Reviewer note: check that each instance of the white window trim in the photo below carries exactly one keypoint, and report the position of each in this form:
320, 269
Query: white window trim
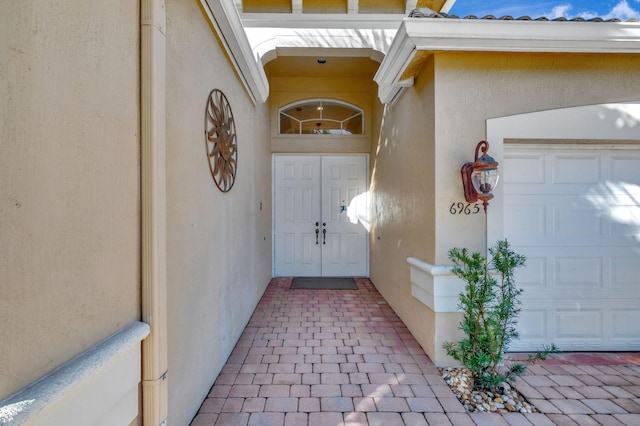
360, 111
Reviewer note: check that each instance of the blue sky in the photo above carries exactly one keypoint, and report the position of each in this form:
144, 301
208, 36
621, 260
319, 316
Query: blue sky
587, 9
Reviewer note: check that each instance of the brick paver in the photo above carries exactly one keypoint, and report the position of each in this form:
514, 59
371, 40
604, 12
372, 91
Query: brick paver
604, 406
321, 357
266, 419
295, 419
571, 406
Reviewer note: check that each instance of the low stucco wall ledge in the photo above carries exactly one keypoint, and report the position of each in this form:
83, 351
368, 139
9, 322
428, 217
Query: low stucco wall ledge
98, 387
435, 285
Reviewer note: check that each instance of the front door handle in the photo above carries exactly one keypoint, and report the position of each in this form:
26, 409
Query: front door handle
324, 235
317, 232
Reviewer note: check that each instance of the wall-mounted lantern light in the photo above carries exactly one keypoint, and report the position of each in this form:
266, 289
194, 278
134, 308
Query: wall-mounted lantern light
480, 177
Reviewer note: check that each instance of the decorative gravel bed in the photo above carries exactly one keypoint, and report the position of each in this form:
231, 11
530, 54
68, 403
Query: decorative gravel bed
507, 400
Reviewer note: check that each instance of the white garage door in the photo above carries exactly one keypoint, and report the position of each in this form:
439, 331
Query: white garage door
574, 212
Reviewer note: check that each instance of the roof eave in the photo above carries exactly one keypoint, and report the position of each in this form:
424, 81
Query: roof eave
438, 34
225, 19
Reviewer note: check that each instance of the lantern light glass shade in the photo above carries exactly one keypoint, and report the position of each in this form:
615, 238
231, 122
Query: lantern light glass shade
484, 181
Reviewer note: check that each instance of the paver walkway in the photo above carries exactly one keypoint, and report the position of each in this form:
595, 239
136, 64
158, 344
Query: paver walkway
342, 357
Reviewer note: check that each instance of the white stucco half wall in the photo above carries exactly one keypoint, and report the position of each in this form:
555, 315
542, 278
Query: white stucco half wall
98, 387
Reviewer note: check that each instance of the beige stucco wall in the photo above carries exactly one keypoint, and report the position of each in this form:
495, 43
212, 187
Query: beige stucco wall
218, 244
433, 129
69, 173
356, 91
403, 195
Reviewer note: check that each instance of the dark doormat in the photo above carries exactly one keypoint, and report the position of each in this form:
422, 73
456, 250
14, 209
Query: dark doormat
322, 283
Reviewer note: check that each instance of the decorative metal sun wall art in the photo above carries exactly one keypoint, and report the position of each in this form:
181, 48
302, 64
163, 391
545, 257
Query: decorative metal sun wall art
221, 141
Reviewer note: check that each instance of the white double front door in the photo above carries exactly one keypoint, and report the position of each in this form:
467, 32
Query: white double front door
316, 231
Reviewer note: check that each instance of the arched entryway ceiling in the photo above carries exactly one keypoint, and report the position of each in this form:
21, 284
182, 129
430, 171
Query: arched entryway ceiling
340, 6
254, 32
344, 34
323, 63
339, 29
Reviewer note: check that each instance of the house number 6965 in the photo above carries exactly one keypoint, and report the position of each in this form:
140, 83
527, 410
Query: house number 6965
462, 208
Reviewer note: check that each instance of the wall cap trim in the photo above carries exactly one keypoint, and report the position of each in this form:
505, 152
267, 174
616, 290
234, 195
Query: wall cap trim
435, 285
28, 403
431, 269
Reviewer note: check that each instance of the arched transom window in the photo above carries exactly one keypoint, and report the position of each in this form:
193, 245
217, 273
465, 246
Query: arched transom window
321, 117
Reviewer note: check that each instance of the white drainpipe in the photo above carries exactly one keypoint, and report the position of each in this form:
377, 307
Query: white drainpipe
153, 210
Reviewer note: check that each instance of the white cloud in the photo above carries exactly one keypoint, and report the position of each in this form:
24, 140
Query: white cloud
552, 9
560, 11
566, 11
623, 11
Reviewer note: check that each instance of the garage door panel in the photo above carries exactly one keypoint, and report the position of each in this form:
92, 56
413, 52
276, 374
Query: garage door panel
577, 221
533, 274
575, 169
571, 324
625, 273
610, 267
571, 220
528, 219
624, 168
534, 164
582, 272
625, 324
533, 325
573, 298
563, 222
575, 325
626, 234
619, 192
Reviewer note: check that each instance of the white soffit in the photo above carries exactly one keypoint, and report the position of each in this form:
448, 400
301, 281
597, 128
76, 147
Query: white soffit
224, 17
353, 6
484, 35
268, 32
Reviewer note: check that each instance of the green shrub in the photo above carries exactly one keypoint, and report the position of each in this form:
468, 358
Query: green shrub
490, 306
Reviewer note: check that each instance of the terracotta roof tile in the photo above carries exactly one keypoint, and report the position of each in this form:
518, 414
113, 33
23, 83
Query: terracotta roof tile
428, 13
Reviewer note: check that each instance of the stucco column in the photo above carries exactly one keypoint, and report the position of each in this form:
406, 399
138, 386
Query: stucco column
154, 227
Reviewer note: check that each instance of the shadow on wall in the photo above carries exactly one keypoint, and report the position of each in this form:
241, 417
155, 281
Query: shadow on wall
621, 115
620, 202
